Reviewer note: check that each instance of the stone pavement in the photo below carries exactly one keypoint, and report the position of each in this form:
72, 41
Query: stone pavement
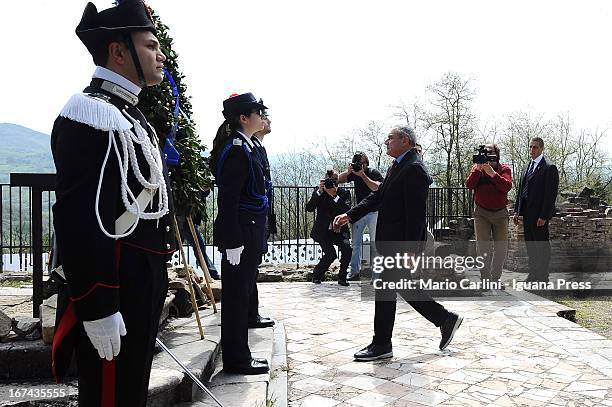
510, 351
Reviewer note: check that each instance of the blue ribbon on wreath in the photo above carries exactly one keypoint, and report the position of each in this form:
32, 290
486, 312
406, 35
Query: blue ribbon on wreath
171, 154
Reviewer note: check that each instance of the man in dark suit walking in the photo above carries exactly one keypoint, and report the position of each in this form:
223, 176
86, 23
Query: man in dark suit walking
400, 201
535, 202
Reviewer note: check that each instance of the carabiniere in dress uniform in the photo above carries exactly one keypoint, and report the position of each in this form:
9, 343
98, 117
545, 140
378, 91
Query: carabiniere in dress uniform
113, 215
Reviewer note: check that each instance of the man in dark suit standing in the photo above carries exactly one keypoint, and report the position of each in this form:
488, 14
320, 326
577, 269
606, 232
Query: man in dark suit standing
256, 320
535, 202
330, 200
400, 201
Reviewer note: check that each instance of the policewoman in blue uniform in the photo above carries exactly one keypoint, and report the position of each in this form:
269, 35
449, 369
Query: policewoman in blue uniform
113, 215
240, 227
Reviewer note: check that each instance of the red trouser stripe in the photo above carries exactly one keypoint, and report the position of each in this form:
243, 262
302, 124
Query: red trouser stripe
66, 324
107, 389
108, 384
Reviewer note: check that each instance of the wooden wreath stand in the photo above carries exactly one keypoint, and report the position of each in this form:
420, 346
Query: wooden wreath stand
190, 277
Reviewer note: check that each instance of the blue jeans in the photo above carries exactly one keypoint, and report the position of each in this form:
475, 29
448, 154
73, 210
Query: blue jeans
357, 229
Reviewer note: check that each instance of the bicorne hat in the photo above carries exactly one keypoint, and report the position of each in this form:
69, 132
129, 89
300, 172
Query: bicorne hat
97, 29
237, 104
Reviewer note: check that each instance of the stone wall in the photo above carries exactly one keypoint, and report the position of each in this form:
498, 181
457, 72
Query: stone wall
580, 234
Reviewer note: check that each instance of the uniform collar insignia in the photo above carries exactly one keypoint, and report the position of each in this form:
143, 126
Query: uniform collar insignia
120, 92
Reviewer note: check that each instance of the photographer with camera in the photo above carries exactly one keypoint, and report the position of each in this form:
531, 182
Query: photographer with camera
491, 182
366, 180
330, 200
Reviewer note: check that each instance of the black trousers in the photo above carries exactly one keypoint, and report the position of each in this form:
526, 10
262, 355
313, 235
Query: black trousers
537, 241
329, 255
254, 297
238, 282
386, 304
125, 380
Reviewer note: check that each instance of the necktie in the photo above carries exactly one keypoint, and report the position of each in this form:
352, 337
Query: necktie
531, 167
525, 190
391, 168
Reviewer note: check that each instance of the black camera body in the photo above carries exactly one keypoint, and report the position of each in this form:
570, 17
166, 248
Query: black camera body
356, 163
483, 156
329, 180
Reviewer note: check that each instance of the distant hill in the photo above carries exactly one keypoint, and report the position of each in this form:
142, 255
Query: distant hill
23, 150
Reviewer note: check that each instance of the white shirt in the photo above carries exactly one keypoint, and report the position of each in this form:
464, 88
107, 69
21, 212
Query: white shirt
114, 77
247, 139
535, 163
256, 141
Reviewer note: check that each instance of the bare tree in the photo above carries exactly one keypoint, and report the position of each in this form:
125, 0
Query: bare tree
578, 153
411, 114
372, 141
521, 127
450, 121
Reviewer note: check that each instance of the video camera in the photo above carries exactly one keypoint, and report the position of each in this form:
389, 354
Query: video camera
484, 156
356, 163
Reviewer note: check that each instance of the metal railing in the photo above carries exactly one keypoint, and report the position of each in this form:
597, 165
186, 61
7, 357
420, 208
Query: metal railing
293, 221
16, 226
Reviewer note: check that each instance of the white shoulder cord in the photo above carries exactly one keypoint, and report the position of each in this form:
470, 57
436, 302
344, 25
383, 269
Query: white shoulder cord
111, 142
156, 183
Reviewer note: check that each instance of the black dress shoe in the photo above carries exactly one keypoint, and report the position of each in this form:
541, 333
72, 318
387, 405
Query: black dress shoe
316, 281
374, 352
448, 329
248, 368
343, 283
261, 322
214, 275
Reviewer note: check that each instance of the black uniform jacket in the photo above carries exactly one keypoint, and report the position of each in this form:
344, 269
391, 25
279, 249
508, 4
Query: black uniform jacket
90, 258
327, 209
241, 175
543, 187
262, 155
401, 204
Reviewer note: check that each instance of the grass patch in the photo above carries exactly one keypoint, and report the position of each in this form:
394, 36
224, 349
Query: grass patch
592, 312
12, 283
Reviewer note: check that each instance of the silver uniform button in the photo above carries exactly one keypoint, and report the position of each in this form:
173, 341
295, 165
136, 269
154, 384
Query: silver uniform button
253, 222
168, 246
167, 228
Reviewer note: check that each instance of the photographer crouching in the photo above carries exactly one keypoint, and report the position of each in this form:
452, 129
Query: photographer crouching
330, 200
491, 182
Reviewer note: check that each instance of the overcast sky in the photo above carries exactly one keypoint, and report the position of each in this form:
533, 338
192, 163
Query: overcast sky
327, 67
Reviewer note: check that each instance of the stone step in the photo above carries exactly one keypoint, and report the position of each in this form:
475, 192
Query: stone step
22, 360
169, 384
259, 390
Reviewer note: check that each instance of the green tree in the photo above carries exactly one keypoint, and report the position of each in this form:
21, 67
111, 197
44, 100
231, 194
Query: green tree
192, 176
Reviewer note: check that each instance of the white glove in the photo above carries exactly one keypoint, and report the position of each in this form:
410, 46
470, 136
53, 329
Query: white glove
233, 255
105, 333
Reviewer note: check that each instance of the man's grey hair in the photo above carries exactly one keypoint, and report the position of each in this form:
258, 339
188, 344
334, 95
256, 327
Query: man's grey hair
406, 131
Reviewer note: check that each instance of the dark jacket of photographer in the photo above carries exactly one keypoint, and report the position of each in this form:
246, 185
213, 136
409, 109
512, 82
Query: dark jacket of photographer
491, 192
327, 209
